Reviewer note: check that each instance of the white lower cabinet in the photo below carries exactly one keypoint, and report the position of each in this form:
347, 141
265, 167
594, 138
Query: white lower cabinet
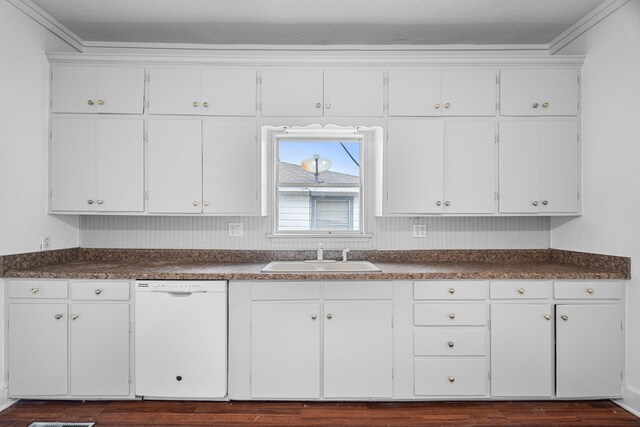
451, 377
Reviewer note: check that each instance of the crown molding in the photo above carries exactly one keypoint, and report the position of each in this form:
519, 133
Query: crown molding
49, 22
583, 25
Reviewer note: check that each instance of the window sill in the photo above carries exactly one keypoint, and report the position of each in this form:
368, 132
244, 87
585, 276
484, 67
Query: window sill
320, 237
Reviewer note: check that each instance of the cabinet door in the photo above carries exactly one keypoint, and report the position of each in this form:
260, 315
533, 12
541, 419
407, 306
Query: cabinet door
519, 166
414, 170
175, 90
559, 89
120, 90
353, 93
357, 349
415, 92
119, 165
73, 159
230, 167
285, 350
469, 92
521, 350
228, 92
74, 89
99, 357
559, 166
520, 92
292, 93
174, 166
588, 350
37, 348
469, 166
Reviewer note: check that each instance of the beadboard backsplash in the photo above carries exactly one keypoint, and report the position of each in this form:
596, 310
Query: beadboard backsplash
388, 233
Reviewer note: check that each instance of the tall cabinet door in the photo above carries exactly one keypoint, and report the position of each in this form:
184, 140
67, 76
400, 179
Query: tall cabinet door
120, 90
415, 92
228, 92
357, 349
74, 89
73, 158
559, 91
468, 92
519, 166
230, 167
174, 166
175, 90
521, 357
414, 166
588, 350
469, 166
99, 349
119, 165
559, 166
353, 93
519, 92
291, 92
285, 350
37, 348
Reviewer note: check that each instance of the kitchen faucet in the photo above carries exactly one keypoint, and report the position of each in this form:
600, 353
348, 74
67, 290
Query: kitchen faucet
320, 256
345, 251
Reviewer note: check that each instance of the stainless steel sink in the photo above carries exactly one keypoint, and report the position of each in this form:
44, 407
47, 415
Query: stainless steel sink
319, 266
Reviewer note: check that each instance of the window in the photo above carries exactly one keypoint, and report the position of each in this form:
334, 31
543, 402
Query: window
318, 185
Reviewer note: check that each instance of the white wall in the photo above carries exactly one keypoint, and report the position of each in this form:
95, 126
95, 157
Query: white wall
24, 86
611, 150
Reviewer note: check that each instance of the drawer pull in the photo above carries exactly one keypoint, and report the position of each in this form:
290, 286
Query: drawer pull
34, 290
58, 316
452, 316
98, 291
314, 317
590, 291
452, 291
450, 344
564, 317
547, 317
521, 291
452, 379
74, 316
329, 316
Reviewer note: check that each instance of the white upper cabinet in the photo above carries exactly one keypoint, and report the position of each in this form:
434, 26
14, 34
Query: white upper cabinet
93, 89
469, 92
415, 92
228, 92
539, 92
314, 93
207, 91
174, 166
353, 93
97, 165
230, 167
539, 166
289, 92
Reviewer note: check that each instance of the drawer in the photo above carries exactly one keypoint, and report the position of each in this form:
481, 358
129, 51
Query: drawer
520, 290
588, 290
454, 342
450, 314
450, 377
274, 291
449, 290
360, 290
96, 290
37, 289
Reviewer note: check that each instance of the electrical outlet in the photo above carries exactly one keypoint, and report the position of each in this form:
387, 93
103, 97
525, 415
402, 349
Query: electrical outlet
46, 243
236, 229
419, 230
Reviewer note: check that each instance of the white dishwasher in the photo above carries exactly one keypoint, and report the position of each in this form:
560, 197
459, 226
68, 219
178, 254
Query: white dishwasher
181, 339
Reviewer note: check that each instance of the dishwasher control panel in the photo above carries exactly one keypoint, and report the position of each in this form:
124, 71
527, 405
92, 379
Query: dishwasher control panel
186, 286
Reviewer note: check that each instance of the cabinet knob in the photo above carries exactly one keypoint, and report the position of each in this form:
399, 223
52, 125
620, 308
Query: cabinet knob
452, 291
447, 105
547, 317
74, 316
437, 106
205, 104
34, 290
314, 316
452, 315
195, 103
98, 291
535, 203
590, 291
545, 202
535, 105
452, 379
521, 291
564, 317
195, 203
545, 105
206, 203
89, 202
327, 105
90, 102
447, 203
58, 316
438, 203
450, 344
329, 316
100, 202
100, 102
318, 105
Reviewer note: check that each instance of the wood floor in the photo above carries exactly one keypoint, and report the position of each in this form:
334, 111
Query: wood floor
149, 413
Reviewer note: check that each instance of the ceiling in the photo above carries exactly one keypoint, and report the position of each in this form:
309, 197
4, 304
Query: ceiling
319, 22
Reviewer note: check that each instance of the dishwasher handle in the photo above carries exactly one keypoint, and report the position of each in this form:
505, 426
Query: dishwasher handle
179, 291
